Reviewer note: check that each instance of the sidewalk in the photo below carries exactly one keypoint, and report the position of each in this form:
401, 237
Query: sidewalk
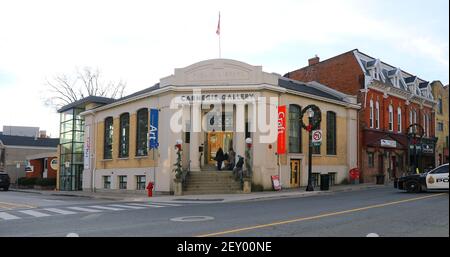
285, 193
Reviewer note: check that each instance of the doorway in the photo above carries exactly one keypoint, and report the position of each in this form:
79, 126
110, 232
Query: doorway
218, 140
295, 173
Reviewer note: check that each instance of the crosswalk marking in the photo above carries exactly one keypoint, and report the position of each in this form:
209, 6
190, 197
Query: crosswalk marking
75, 209
7, 216
147, 205
35, 213
169, 204
105, 208
83, 209
127, 206
59, 211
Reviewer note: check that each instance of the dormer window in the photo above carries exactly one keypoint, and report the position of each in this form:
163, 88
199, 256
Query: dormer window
375, 73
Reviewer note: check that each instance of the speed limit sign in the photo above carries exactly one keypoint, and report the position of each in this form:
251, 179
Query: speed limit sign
316, 136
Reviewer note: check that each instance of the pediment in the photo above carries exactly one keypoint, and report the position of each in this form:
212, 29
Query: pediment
218, 72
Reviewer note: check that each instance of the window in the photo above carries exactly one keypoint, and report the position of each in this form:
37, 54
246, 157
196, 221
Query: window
141, 133
410, 119
295, 139
440, 105
391, 118
140, 182
377, 115
332, 178
440, 126
107, 182
399, 120
415, 116
108, 138
124, 135
315, 179
122, 182
371, 159
331, 133
371, 114
440, 170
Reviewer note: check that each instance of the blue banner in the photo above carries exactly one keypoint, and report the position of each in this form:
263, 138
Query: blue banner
153, 133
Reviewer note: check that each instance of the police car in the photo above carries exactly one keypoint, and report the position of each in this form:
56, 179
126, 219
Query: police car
436, 179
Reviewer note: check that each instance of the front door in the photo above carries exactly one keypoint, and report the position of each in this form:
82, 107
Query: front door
218, 140
295, 173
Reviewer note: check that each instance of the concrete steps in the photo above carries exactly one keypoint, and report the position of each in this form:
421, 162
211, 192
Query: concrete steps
211, 182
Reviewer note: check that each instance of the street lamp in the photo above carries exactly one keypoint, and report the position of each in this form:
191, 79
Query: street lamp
314, 119
415, 137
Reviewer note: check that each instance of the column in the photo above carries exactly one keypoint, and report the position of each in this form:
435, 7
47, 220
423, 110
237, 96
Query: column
240, 129
196, 122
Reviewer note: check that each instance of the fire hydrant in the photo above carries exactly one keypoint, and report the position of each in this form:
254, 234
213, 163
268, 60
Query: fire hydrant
150, 189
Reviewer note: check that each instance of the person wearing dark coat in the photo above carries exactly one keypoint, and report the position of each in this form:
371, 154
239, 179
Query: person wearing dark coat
219, 158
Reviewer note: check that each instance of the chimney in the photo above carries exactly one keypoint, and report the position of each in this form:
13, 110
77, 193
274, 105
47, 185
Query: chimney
314, 60
42, 134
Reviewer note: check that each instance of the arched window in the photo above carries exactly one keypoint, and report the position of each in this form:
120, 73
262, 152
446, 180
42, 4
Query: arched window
371, 114
295, 135
377, 115
108, 138
124, 137
415, 116
399, 120
141, 132
331, 133
391, 118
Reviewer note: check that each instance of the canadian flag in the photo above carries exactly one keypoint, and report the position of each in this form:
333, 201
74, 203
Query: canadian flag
218, 26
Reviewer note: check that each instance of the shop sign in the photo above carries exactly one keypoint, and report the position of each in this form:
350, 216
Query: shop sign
388, 143
427, 149
276, 182
281, 143
218, 97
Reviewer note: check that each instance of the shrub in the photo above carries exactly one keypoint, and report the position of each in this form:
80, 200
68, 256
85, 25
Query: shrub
46, 182
27, 181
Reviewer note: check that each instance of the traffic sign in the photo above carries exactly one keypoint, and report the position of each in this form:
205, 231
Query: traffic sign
317, 136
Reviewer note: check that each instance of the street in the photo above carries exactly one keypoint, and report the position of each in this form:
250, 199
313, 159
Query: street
384, 211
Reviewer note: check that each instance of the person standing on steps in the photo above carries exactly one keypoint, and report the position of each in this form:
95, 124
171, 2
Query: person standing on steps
219, 158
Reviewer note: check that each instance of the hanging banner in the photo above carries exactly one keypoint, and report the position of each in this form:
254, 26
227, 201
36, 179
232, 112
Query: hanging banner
87, 148
153, 133
281, 144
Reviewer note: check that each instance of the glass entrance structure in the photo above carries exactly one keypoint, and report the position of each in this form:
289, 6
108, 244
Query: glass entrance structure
71, 157
71, 149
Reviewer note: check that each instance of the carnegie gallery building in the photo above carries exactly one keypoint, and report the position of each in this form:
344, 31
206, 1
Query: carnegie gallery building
214, 104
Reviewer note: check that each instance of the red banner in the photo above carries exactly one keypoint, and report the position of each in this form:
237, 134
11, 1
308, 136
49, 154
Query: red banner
281, 144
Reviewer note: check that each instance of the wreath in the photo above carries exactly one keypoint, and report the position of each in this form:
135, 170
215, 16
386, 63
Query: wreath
315, 120
415, 134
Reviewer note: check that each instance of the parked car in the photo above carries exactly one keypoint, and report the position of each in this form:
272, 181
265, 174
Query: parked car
4, 181
436, 179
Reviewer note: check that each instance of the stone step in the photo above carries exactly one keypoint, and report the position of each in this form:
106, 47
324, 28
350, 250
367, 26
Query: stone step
218, 192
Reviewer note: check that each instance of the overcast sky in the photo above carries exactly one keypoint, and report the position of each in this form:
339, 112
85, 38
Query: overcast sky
143, 41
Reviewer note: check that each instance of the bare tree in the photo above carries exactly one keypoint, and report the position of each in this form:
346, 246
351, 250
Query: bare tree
64, 89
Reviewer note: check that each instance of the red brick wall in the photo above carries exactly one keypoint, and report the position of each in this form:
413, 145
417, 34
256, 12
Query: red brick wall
341, 72
39, 169
51, 172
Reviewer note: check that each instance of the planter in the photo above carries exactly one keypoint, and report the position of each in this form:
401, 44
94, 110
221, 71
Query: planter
178, 190
247, 187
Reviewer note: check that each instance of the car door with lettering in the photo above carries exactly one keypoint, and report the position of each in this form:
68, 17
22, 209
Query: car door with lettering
438, 178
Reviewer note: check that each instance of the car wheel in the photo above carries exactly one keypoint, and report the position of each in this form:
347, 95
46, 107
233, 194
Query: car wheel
412, 187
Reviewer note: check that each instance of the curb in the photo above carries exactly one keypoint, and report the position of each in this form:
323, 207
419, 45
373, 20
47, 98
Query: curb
255, 198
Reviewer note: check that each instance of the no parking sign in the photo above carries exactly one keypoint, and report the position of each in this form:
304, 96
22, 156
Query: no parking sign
316, 137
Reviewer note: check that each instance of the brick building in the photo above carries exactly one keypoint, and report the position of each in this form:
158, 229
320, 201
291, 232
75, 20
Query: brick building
391, 100
43, 165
